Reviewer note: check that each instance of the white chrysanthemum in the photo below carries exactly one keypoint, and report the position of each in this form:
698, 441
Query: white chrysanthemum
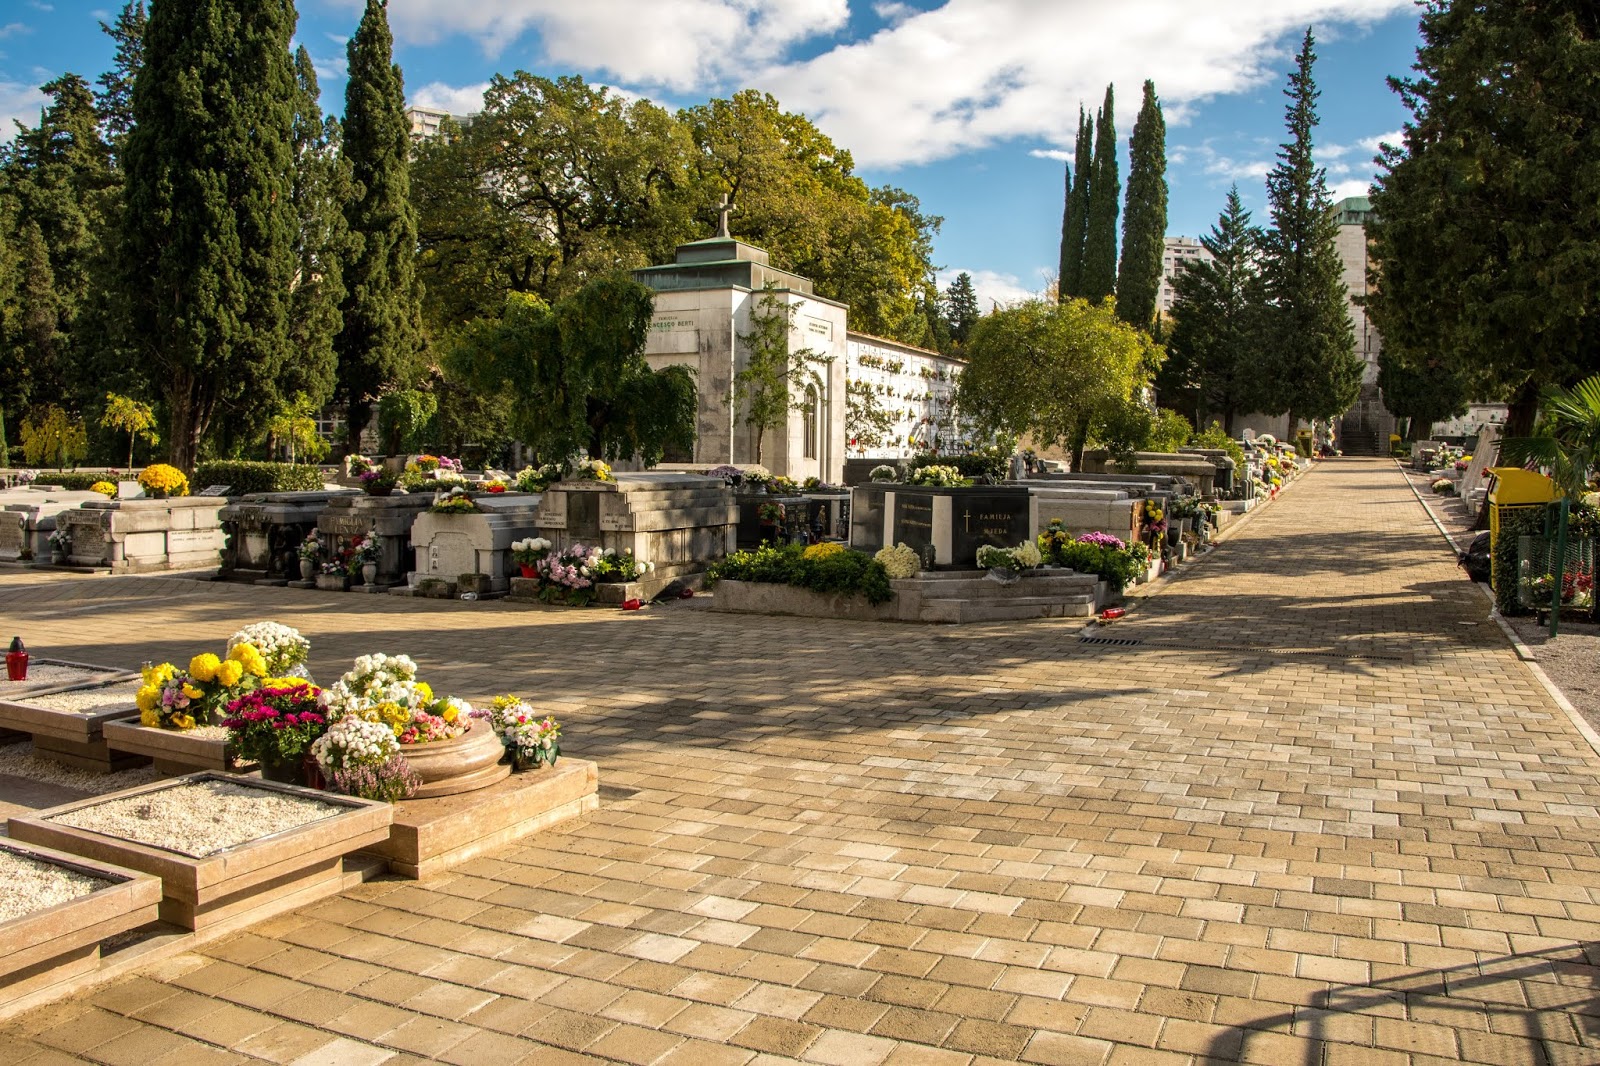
281, 646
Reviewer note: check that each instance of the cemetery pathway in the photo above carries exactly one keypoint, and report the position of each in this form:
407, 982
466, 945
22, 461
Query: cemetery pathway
1312, 811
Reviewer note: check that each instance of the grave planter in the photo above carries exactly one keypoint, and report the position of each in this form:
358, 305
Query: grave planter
54, 944
141, 536
349, 517
241, 884
67, 727
451, 545
471, 761
332, 582
174, 751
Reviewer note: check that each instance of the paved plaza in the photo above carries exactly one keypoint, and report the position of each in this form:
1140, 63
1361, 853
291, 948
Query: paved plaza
1305, 806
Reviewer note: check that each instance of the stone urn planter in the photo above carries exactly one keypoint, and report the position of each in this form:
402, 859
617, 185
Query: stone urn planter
308, 569
369, 573
470, 761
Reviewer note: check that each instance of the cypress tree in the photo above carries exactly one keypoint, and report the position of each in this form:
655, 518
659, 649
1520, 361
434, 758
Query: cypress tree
382, 328
208, 255
1308, 323
1075, 215
961, 304
1144, 224
1105, 192
114, 100
321, 187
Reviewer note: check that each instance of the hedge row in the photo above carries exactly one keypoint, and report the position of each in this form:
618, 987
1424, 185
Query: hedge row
74, 480
244, 478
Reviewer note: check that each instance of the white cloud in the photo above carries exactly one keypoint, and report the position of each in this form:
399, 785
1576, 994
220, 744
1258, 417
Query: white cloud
1060, 155
18, 103
993, 287
13, 29
678, 44
893, 12
458, 100
1352, 187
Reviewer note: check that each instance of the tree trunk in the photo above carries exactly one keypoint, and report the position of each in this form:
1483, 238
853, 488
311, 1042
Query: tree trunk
188, 421
761, 433
1080, 437
1524, 410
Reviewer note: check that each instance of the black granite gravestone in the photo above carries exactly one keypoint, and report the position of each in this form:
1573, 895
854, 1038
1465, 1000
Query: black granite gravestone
996, 518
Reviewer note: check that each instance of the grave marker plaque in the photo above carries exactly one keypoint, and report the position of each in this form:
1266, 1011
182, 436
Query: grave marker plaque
913, 520
998, 519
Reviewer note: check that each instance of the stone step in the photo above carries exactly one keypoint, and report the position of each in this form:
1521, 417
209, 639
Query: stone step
981, 588
1022, 607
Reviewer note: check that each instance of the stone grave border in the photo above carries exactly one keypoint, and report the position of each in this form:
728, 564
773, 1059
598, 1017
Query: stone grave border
174, 751
70, 737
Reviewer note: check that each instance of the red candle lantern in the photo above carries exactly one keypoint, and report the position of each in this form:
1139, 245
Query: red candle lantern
17, 661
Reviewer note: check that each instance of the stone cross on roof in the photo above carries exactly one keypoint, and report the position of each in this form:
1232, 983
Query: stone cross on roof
724, 209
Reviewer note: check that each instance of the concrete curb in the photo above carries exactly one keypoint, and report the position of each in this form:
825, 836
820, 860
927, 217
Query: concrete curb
1523, 652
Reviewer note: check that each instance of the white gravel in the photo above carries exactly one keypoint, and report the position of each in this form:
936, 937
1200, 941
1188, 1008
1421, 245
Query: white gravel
199, 819
20, 761
45, 675
30, 885
86, 700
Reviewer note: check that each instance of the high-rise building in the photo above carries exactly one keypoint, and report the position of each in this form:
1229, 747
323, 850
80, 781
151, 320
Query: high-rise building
1365, 427
428, 122
1179, 253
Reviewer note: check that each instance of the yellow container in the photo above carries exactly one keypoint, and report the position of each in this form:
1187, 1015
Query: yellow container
1515, 489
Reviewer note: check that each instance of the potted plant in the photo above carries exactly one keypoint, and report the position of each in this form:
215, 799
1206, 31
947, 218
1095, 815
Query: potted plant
309, 552
364, 558
770, 516
378, 482
526, 554
60, 545
531, 740
333, 576
276, 726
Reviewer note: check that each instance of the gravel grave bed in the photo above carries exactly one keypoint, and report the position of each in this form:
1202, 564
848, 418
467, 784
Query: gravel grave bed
44, 674
85, 701
19, 760
31, 885
201, 818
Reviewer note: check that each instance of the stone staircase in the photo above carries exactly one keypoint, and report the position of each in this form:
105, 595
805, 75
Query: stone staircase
958, 596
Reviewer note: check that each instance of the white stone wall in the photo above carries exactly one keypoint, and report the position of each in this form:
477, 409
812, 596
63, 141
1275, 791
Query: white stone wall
919, 385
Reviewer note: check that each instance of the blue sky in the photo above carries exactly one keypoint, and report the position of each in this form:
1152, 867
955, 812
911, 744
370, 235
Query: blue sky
965, 103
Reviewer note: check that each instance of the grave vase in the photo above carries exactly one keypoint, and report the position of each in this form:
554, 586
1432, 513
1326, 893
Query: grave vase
308, 569
288, 771
369, 573
529, 570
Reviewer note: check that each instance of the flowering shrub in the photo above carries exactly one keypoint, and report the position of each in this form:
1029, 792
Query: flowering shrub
26, 477
899, 561
537, 479
174, 699
819, 551
354, 741
816, 484
568, 576
781, 485
1094, 553
1444, 487
883, 473
384, 690
592, 470
1022, 557
160, 479
277, 722
104, 488
454, 501
836, 572
731, 474
938, 477
281, 647
389, 782
1103, 540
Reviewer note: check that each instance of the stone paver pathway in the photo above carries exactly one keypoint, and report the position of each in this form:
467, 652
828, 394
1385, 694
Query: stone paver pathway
1309, 810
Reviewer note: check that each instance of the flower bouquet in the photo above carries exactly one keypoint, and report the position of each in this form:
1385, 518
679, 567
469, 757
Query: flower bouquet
310, 550
614, 567
883, 473
770, 514
454, 501
160, 481
174, 699
364, 552
61, 542
567, 576
537, 479
527, 552
938, 477
592, 470
275, 725
282, 647
530, 740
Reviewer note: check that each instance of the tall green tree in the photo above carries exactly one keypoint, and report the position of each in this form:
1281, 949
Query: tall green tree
1075, 212
207, 253
577, 375
1144, 223
1486, 241
961, 308
319, 191
1215, 360
114, 98
1046, 369
1422, 388
380, 334
1308, 324
1105, 195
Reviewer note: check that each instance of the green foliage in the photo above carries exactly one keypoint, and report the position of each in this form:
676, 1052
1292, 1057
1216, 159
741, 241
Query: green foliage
1105, 194
320, 188
294, 425
1117, 566
403, 417
961, 308
1486, 242
1075, 213
127, 415
114, 100
1214, 436
75, 480
207, 254
577, 375
1568, 446
992, 463
1168, 431
1216, 362
1042, 369
1422, 387
380, 332
1317, 372
244, 477
1515, 522
846, 572
1144, 223
773, 380
53, 436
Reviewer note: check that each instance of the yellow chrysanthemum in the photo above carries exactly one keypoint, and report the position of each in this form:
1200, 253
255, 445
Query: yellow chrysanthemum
449, 713
158, 675
203, 667
149, 716
425, 691
145, 699
192, 692
182, 721
230, 673
247, 656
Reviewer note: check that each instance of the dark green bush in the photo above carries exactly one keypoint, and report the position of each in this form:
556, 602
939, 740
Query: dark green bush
1514, 523
840, 572
246, 477
74, 480
992, 463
